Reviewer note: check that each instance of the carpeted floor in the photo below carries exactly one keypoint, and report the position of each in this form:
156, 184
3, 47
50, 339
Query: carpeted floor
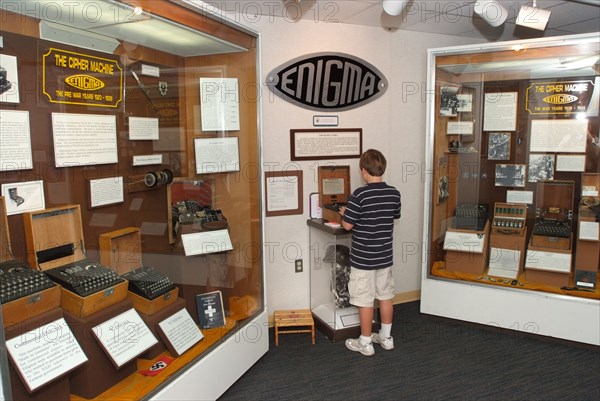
433, 359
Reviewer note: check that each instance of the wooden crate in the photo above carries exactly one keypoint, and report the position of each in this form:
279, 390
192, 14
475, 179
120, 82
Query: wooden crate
25, 308
334, 187
293, 321
60, 228
122, 251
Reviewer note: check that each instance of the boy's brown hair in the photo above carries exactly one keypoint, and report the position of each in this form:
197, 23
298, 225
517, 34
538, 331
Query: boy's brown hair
373, 162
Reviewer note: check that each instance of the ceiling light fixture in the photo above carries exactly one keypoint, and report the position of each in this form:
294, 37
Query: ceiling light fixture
533, 17
394, 7
491, 11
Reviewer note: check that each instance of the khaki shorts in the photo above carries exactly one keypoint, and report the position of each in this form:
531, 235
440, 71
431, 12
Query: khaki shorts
367, 285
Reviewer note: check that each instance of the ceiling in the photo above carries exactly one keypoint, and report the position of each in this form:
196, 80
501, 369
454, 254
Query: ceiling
446, 17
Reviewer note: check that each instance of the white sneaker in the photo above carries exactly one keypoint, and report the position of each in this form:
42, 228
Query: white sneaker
386, 343
354, 345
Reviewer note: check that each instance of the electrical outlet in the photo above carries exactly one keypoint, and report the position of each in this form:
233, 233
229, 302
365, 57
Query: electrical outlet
298, 266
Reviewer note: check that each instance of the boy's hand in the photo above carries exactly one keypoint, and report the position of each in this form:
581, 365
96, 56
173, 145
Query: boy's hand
342, 210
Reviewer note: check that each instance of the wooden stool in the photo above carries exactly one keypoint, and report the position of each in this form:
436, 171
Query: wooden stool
293, 318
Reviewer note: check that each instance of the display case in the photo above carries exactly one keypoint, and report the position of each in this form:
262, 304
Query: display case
512, 140
137, 118
329, 275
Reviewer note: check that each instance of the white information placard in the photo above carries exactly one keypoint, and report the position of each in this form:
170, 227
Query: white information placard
143, 128
588, 230
219, 104
464, 242
181, 331
566, 136
84, 139
505, 259
548, 261
124, 337
23, 197
106, 191
147, 160
459, 128
45, 353
519, 197
282, 193
570, 163
500, 113
206, 242
217, 155
15, 138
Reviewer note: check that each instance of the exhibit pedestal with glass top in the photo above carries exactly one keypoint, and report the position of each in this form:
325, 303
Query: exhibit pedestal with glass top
329, 275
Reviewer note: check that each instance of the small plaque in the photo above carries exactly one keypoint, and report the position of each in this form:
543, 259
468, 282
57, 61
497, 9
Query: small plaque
124, 337
45, 353
585, 279
464, 242
180, 331
210, 310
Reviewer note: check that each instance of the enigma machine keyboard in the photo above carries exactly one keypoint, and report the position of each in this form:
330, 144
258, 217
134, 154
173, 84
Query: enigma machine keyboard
18, 281
84, 278
552, 228
148, 283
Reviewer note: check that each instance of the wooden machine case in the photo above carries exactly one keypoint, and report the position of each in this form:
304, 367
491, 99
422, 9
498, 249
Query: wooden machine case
508, 236
554, 200
29, 306
465, 260
122, 251
334, 188
50, 228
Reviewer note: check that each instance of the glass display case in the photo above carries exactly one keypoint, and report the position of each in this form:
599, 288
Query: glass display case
329, 275
130, 146
512, 148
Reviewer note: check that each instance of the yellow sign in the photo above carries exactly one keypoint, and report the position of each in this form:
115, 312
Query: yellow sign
75, 78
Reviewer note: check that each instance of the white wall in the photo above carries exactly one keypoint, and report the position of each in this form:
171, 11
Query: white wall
394, 124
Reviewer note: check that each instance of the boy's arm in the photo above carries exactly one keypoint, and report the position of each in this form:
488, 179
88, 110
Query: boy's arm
347, 226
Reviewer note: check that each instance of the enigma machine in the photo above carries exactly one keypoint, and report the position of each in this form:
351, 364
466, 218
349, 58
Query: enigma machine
334, 191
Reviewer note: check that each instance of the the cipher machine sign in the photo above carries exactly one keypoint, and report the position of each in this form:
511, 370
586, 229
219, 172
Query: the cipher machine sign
327, 82
75, 78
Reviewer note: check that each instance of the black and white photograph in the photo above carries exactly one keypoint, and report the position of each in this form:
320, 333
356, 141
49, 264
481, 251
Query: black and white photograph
510, 175
9, 87
541, 167
449, 102
499, 146
443, 189
465, 103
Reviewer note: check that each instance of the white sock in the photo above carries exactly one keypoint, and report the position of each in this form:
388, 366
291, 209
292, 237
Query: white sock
363, 340
386, 330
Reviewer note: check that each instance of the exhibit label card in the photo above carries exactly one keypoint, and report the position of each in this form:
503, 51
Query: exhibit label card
549, 261
464, 242
219, 104
206, 242
106, 191
181, 331
84, 139
124, 337
45, 353
143, 128
500, 112
23, 197
566, 136
15, 137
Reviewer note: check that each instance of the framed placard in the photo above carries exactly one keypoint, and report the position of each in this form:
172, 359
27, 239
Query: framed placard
328, 143
283, 193
217, 155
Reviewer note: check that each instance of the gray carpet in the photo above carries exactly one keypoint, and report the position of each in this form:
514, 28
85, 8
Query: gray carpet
434, 359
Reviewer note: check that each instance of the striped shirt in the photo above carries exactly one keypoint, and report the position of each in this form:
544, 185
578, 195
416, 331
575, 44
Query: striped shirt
372, 210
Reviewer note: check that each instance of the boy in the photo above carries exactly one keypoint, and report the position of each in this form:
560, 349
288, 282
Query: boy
370, 214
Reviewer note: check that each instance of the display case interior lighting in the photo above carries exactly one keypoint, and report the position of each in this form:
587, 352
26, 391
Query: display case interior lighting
533, 17
394, 7
491, 11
